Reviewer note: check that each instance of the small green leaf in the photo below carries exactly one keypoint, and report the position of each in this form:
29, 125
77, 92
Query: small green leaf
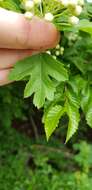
74, 118
89, 114
51, 119
86, 103
41, 69
72, 106
85, 96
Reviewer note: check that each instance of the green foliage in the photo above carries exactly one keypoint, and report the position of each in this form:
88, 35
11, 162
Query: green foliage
74, 118
39, 68
11, 5
83, 158
12, 105
28, 165
85, 26
51, 119
70, 71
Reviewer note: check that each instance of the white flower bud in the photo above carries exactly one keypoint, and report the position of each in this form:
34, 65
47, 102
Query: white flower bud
54, 56
73, 20
49, 17
57, 53
28, 15
29, 4
58, 46
65, 3
37, 1
81, 2
78, 10
48, 52
62, 50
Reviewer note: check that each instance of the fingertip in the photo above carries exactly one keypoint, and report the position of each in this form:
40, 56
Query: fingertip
54, 36
42, 34
4, 77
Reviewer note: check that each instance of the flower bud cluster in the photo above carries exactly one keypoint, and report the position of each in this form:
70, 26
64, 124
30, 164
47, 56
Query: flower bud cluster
28, 5
73, 3
75, 7
59, 51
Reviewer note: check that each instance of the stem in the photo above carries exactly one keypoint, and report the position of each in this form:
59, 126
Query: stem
34, 128
41, 8
60, 14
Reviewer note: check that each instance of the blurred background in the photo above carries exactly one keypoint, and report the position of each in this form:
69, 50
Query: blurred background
28, 161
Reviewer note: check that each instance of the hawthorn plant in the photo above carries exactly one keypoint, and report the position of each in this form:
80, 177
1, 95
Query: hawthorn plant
59, 79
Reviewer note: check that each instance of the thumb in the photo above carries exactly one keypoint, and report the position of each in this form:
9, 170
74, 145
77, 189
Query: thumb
16, 32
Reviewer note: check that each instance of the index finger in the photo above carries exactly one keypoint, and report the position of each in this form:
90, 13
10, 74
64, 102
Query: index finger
16, 32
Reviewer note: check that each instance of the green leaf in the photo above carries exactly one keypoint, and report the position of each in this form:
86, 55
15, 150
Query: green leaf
73, 98
51, 119
11, 5
86, 103
85, 96
89, 114
72, 106
79, 63
85, 26
76, 82
74, 118
41, 69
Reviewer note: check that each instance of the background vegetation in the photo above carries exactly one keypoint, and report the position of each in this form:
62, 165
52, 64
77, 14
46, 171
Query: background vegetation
27, 161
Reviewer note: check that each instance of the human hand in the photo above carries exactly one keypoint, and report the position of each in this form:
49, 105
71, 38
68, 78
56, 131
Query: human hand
20, 38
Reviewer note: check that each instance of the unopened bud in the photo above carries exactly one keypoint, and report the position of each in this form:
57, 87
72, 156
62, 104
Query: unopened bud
28, 15
73, 20
29, 4
65, 3
57, 53
54, 57
58, 46
48, 52
62, 50
78, 10
49, 17
81, 2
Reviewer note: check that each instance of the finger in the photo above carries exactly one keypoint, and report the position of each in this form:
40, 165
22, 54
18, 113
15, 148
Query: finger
9, 57
18, 32
4, 77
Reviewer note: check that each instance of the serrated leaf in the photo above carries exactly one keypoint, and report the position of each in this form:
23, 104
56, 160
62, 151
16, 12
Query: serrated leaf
73, 98
51, 119
85, 96
86, 103
76, 82
74, 118
72, 106
89, 114
41, 69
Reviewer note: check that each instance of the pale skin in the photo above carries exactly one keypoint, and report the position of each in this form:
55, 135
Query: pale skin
20, 38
